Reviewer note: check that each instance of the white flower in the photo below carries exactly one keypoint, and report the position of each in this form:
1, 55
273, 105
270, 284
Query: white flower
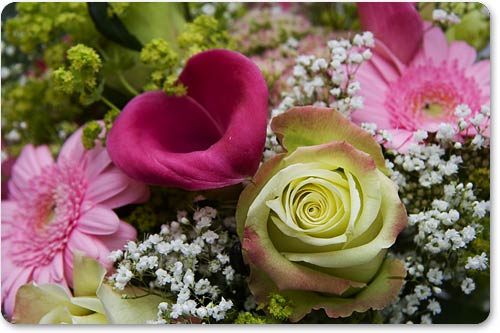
358, 40
439, 15
122, 277
445, 132
209, 236
228, 272
367, 54
422, 292
357, 103
202, 287
114, 256
420, 135
434, 307
355, 58
353, 87
462, 111
299, 71
440, 205
318, 64
479, 262
468, 234
455, 238
477, 119
201, 312
481, 208
368, 39
468, 286
188, 277
162, 277
435, 276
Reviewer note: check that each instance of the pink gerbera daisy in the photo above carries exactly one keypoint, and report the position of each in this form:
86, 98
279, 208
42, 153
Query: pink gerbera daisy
420, 90
57, 207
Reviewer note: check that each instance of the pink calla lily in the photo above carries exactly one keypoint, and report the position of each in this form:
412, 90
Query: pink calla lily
398, 25
210, 138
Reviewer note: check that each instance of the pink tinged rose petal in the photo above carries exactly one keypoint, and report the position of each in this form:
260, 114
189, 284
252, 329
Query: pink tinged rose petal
98, 221
397, 25
211, 138
380, 293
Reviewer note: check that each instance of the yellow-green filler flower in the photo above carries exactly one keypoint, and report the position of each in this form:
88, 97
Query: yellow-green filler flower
316, 222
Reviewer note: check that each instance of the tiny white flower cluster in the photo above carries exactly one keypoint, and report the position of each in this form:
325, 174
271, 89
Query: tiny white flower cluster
445, 214
187, 261
442, 16
326, 82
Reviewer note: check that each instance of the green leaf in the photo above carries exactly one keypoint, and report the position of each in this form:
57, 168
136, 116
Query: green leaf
111, 26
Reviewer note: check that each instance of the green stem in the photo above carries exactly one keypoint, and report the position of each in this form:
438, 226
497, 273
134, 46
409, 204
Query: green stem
127, 85
109, 103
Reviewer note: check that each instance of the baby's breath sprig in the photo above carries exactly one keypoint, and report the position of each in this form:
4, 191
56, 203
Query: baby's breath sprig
447, 240
188, 262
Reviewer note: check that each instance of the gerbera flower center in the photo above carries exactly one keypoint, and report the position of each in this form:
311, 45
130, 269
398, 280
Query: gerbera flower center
426, 95
48, 213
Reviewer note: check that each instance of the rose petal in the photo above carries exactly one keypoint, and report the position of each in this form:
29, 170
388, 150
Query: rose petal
398, 25
377, 295
213, 137
309, 126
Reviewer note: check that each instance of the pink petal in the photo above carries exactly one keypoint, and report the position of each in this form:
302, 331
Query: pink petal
8, 210
211, 138
435, 45
72, 148
481, 72
397, 25
16, 277
135, 192
99, 220
106, 186
28, 165
97, 162
90, 246
125, 233
463, 53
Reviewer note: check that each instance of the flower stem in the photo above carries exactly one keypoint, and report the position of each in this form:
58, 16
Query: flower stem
127, 85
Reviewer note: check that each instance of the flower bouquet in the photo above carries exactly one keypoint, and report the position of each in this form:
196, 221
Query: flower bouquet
245, 163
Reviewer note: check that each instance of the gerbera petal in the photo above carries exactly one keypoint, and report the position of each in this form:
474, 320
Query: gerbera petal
135, 192
8, 209
435, 46
213, 137
397, 25
72, 148
125, 233
106, 186
463, 53
16, 278
28, 165
481, 72
99, 220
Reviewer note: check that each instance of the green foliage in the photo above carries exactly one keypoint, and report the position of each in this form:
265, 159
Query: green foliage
249, 318
39, 24
143, 218
91, 133
204, 33
39, 107
279, 307
80, 77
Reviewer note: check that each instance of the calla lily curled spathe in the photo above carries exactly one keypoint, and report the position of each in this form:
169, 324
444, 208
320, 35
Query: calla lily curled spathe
210, 138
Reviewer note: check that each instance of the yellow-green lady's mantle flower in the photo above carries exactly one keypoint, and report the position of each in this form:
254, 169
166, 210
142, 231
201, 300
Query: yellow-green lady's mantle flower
316, 222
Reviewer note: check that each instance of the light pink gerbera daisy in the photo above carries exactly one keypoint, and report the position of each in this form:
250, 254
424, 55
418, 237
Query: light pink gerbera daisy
420, 89
57, 207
